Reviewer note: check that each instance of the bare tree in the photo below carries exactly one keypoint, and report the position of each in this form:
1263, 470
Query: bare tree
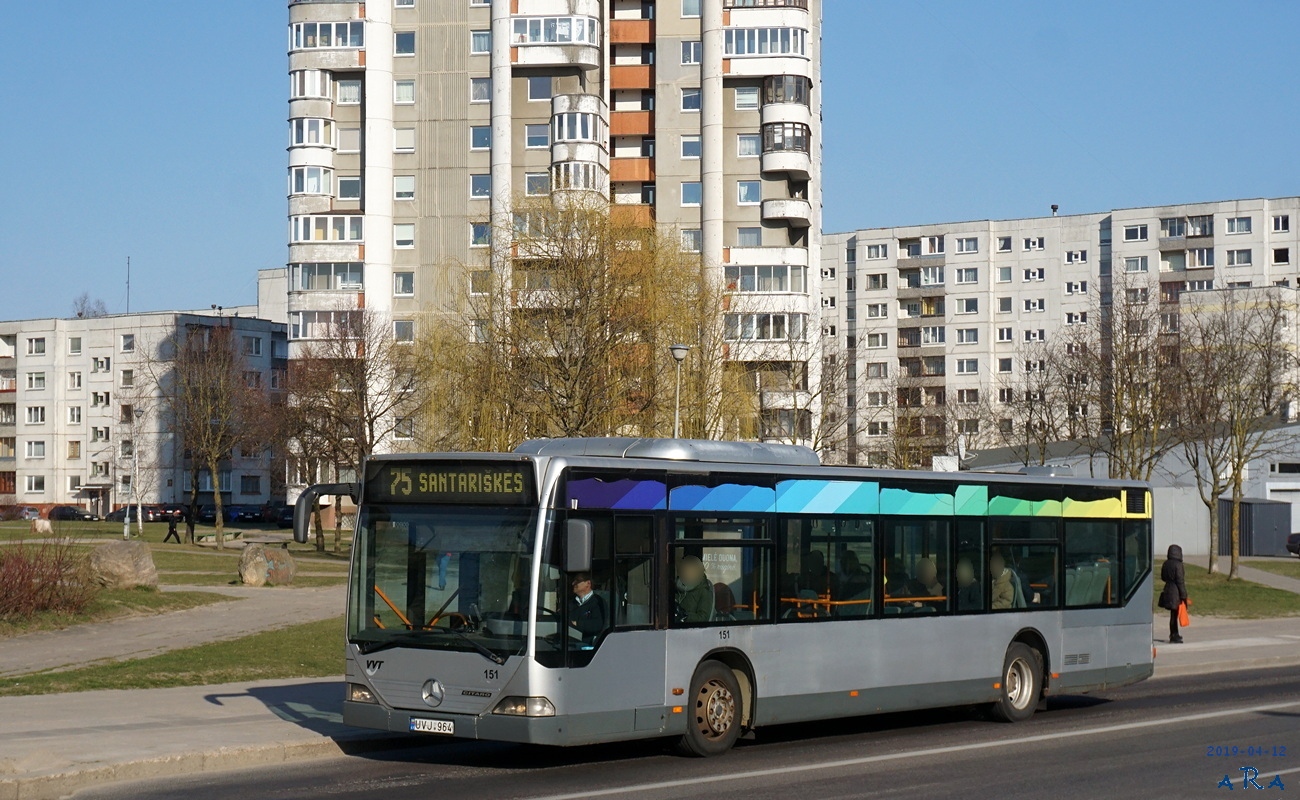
572, 339
86, 307
137, 451
209, 405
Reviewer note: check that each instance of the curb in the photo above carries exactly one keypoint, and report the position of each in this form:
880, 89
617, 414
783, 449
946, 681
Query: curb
49, 787
1222, 666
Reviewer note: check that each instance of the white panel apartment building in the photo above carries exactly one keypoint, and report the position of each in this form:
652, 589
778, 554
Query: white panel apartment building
953, 303
79, 416
413, 124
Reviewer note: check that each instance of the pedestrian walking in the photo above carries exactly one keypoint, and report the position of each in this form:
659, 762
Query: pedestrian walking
1175, 592
171, 529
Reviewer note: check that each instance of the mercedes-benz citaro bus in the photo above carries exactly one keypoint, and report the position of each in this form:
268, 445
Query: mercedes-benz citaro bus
591, 590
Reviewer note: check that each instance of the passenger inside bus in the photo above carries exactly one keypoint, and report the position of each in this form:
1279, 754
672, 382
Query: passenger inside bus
587, 610
968, 589
694, 595
1004, 581
815, 577
855, 581
926, 583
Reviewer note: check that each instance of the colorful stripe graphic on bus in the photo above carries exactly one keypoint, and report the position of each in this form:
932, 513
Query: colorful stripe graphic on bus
828, 497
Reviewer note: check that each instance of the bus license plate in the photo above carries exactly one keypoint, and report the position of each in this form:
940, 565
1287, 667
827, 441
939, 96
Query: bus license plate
444, 726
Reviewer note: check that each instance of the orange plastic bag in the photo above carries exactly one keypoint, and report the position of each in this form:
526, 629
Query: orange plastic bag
1183, 619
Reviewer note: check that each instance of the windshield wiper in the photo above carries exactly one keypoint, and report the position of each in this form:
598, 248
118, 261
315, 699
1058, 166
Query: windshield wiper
412, 639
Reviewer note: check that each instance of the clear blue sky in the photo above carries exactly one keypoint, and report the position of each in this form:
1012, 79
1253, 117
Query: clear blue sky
157, 129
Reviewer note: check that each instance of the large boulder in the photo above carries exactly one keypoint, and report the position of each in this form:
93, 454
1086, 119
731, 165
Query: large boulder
260, 565
123, 565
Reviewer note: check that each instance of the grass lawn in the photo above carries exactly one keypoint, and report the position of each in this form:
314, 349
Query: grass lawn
111, 605
1289, 567
231, 578
1216, 596
311, 650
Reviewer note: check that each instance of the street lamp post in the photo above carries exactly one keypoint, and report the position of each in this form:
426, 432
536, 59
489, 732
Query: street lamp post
679, 352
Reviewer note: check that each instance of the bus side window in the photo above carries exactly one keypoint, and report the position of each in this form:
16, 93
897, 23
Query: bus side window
633, 571
969, 574
719, 584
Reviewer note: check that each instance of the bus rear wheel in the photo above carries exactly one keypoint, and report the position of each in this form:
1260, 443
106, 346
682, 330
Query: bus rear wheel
1022, 674
714, 712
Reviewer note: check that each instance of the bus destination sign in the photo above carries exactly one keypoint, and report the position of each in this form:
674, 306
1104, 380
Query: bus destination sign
451, 483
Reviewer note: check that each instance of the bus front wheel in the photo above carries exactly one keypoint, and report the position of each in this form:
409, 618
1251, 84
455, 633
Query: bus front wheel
1022, 672
714, 712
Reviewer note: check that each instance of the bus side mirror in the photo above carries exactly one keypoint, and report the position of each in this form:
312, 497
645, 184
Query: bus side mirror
305, 505
578, 545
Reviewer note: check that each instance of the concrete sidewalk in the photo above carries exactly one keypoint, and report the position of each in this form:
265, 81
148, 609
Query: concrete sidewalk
1219, 645
250, 610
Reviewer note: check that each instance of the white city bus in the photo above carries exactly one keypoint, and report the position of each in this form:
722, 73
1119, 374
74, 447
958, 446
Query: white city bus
734, 586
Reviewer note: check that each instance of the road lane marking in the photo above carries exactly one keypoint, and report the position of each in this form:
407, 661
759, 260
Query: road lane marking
933, 751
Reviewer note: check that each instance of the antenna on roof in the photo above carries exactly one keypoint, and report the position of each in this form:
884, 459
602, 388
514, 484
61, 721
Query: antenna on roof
128, 284
1055, 208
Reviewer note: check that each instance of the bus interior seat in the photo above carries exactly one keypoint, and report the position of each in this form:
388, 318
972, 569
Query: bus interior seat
724, 603
857, 609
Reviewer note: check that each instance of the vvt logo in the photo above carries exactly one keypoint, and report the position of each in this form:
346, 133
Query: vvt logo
373, 665
1250, 780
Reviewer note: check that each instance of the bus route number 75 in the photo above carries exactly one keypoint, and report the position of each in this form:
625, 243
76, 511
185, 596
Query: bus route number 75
401, 482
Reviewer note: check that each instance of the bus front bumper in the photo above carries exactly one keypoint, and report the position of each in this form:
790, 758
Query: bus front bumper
568, 730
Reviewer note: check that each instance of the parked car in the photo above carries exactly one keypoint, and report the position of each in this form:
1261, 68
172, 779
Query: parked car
178, 510
248, 513
1293, 544
285, 518
29, 512
72, 513
124, 514
208, 513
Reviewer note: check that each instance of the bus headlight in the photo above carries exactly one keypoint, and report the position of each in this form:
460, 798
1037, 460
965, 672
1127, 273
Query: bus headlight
525, 707
360, 694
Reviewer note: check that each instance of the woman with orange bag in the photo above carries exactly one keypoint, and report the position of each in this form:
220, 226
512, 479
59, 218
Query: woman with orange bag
1174, 594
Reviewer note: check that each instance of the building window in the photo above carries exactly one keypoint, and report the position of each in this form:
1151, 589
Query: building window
404, 428
325, 276
35, 415
968, 274
968, 335
877, 310
1004, 365
1135, 233
74, 415
334, 35
480, 186
403, 284
749, 145
691, 193
537, 184
480, 90
1281, 223
690, 8
1032, 243
404, 43
746, 98
690, 99
969, 244
749, 193
35, 449
36, 380
1135, 264
36, 346
1238, 224
404, 330
1239, 258
933, 334
537, 137
404, 140
555, 30
407, 3
349, 93
876, 280
74, 380
350, 187
739, 42
325, 228
1076, 257
1281, 255
764, 327
1006, 334
692, 240
877, 251
1039, 274
1004, 244
968, 305
749, 237
74, 346
480, 137
480, 42
403, 93
968, 366
480, 282
307, 83
877, 341
35, 484
128, 343
539, 87
128, 378
779, 278
480, 234
690, 52
403, 187
404, 235
311, 180
691, 146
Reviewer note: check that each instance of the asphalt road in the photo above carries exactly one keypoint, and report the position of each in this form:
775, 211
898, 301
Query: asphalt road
1159, 739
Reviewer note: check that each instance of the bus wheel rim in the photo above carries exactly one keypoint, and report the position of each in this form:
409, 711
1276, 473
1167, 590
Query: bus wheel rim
1019, 684
716, 709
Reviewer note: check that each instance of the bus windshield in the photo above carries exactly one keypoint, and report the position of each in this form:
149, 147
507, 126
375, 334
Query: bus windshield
445, 577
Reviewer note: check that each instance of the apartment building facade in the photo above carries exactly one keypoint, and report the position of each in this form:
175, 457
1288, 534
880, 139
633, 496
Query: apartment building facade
953, 309
82, 420
415, 125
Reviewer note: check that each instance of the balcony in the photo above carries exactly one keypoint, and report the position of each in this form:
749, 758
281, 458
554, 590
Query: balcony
916, 261
631, 76
632, 169
795, 163
795, 211
632, 123
765, 4
553, 41
631, 31
636, 215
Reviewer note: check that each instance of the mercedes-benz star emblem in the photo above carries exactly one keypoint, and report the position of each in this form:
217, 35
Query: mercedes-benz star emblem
433, 692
